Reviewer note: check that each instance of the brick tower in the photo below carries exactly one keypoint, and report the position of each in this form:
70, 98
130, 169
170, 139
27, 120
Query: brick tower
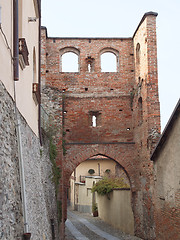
115, 114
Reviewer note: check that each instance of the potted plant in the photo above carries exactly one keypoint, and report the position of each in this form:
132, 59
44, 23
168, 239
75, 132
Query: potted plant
26, 236
95, 210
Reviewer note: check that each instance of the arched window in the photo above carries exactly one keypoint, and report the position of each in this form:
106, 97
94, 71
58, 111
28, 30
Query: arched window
140, 111
138, 52
69, 60
109, 59
108, 62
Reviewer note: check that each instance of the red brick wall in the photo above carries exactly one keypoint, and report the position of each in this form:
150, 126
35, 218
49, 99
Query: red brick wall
124, 133
167, 221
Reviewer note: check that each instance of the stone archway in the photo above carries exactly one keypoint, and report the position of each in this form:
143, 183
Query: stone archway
76, 154
120, 153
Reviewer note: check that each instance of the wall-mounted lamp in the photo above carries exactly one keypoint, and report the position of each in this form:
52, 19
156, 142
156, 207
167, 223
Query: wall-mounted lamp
32, 19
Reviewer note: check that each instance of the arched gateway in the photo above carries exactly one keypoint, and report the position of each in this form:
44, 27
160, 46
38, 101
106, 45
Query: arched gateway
98, 112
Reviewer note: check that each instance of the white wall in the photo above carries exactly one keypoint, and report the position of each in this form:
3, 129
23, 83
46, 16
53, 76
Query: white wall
25, 102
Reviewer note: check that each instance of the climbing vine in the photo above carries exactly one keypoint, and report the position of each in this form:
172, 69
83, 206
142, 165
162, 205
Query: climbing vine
56, 171
55, 175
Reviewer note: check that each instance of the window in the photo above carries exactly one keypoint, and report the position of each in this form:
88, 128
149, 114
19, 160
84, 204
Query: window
138, 53
108, 62
94, 121
90, 64
140, 111
69, 62
89, 67
69, 59
109, 59
94, 118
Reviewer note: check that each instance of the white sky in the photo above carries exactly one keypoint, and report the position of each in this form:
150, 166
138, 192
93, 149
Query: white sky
120, 18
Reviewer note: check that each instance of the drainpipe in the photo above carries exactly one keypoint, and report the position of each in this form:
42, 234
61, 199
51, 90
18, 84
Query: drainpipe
19, 141
15, 40
39, 77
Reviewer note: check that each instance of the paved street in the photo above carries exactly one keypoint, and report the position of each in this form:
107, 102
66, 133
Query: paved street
83, 226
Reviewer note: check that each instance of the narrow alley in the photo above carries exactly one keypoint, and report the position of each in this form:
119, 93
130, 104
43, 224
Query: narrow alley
82, 226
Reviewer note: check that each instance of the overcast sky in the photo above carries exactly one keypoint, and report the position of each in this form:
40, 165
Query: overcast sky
120, 18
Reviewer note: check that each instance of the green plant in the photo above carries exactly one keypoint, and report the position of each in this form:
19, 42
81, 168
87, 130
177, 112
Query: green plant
52, 128
56, 171
55, 175
41, 152
107, 184
91, 171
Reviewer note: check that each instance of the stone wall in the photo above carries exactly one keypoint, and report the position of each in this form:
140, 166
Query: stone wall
40, 192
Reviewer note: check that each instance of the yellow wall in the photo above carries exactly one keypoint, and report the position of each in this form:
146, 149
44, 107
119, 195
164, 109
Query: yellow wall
83, 195
117, 211
104, 164
82, 170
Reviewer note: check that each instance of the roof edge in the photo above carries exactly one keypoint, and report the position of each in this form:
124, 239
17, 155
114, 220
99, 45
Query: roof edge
142, 20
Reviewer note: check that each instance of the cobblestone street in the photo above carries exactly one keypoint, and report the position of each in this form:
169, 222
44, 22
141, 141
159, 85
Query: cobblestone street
83, 226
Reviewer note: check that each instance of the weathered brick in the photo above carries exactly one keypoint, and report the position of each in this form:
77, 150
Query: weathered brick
126, 103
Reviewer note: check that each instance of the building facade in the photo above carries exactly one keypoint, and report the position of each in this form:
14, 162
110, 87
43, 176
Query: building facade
27, 195
111, 113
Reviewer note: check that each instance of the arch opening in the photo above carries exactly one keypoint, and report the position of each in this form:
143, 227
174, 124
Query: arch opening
82, 199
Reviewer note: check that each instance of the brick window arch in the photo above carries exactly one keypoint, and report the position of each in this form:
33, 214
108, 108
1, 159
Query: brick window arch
140, 111
109, 59
69, 60
138, 59
138, 53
